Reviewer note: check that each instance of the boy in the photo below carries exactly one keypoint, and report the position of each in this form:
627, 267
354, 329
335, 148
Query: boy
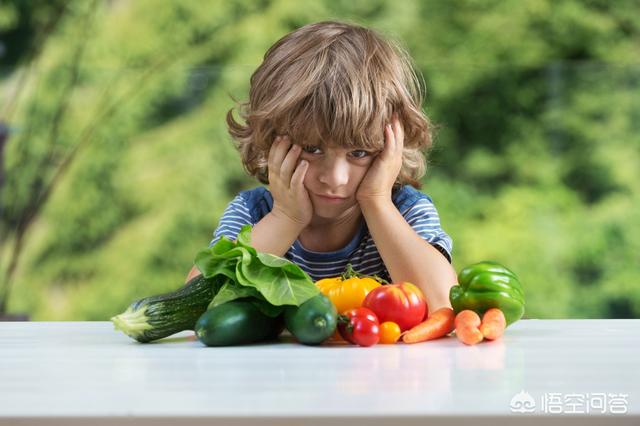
334, 127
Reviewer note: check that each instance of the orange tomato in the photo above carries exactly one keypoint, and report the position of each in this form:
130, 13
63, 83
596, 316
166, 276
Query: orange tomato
389, 332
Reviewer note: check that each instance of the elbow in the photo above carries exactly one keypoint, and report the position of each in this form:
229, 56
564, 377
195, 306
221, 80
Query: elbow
440, 299
440, 296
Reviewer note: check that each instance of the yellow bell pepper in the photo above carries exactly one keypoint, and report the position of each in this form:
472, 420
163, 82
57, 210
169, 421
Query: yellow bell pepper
348, 290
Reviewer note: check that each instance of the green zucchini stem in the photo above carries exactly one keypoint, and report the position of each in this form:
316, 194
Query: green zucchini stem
132, 323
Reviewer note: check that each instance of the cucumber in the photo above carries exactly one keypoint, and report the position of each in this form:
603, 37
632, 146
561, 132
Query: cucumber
235, 323
155, 317
313, 322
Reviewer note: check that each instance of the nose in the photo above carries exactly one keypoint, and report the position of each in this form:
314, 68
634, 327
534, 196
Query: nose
334, 172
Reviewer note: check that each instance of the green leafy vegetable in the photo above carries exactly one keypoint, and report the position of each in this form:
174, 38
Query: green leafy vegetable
231, 291
281, 282
271, 282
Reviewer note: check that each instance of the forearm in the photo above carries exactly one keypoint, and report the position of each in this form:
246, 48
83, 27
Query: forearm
274, 234
407, 256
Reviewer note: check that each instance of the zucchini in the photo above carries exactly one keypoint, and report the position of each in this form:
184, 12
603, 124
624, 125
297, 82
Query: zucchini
155, 317
313, 322
235, 323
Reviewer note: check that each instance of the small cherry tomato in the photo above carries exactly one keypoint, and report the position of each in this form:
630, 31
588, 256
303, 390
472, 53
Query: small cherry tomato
359, 326
389, 332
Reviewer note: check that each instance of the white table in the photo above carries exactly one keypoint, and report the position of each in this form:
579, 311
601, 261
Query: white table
73, 373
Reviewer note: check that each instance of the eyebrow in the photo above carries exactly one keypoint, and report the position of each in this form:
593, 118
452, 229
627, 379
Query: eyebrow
325, 145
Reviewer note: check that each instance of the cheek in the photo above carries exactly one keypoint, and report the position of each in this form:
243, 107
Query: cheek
310, 175
360, 172
312, 178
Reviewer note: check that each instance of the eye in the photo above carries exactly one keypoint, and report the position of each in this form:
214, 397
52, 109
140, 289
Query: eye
360, 153
310, 149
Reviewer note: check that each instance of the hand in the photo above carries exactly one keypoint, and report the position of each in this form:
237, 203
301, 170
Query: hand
286, 176
377, 183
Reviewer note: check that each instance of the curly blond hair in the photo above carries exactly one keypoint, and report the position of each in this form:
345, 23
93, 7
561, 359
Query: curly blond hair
333, 81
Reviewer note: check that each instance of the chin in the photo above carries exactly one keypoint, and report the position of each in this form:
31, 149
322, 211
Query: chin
328, 211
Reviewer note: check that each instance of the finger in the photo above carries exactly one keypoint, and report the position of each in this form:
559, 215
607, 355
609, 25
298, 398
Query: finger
273, 169
389, 142
394, 139
399, 133
272, 151
280, 153
289, 163
297, 178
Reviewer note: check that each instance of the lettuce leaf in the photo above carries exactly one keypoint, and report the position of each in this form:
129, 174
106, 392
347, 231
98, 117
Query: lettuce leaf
271, 281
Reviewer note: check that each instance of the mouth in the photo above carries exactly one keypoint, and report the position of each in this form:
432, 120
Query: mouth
330, 199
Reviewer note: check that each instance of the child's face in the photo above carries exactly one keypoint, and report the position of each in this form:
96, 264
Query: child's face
334, 171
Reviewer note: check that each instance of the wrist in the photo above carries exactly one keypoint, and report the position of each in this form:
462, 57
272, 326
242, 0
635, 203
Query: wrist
287, 221
374, 202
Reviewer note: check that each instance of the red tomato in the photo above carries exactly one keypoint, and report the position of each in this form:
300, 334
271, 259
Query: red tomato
359, 326
401, 303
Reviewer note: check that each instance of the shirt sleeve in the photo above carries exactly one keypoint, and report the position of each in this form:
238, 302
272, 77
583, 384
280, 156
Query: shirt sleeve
233, 218
423, 218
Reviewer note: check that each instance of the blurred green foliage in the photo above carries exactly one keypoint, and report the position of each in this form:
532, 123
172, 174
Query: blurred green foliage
118, 165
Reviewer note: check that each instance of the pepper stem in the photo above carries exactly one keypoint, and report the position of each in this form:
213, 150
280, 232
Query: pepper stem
349, 272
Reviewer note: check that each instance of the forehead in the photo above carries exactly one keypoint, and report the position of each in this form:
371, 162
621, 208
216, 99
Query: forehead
330, 145
340, 140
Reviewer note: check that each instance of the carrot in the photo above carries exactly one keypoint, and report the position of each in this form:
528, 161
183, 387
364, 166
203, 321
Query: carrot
493, 324
439, 323
467, 323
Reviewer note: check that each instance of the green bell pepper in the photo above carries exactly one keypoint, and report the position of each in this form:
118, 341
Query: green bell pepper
485, 285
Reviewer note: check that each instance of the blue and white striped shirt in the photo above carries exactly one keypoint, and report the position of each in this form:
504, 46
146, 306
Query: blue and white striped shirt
250, 206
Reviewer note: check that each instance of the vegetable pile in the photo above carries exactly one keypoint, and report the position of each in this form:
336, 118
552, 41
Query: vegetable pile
243, 296
394, 312
486, 289
246, 296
